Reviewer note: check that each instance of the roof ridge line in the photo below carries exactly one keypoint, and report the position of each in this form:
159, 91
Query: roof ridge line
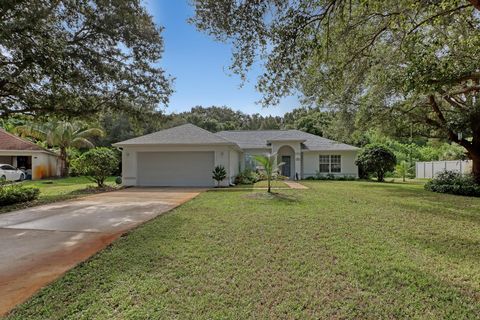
24, 140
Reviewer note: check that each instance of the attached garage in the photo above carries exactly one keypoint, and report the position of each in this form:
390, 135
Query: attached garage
183, 156
176, 169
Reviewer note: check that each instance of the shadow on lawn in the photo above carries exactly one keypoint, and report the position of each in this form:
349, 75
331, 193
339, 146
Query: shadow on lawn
280, 197
452, 246
409, 287
458, 208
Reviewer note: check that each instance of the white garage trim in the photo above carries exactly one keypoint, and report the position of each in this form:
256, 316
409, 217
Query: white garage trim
176, 169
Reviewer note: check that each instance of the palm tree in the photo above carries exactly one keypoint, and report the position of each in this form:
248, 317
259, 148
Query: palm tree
62, 135
270, 166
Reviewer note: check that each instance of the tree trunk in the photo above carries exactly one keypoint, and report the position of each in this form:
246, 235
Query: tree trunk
64, 166
380, 176
475, 156
475, 4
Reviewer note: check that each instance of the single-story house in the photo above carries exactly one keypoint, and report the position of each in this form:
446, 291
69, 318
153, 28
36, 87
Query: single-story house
36, 161
186, 155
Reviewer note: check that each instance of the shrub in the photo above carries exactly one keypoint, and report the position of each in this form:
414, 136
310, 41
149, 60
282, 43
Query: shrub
330, 176
247, 177
376, 160
98, 164
219, 174
454, 183
17, 193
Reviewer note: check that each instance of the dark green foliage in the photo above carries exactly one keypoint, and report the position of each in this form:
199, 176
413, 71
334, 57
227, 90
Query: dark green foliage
454, 183
73, 58
376, 160
247, 177
17, 193
331, 177
219, 174
98, 164
400, 64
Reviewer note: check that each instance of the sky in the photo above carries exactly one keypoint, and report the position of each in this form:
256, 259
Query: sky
199, 65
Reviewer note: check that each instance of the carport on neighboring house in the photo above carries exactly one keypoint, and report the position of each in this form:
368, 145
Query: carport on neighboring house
38, 162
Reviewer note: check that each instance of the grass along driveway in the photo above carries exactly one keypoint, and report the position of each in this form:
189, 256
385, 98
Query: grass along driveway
52, 190
337, 250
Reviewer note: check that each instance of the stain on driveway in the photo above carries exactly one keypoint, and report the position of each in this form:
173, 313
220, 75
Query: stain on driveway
39, 244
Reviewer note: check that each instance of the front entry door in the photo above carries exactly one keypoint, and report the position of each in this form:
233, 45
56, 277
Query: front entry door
286, 166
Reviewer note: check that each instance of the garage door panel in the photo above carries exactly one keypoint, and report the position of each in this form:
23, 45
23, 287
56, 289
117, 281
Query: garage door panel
175, 168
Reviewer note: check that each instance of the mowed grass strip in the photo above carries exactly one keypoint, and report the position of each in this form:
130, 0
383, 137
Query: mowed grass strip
53, 190
344, 250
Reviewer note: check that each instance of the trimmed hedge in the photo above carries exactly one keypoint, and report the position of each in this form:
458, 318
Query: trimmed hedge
331, 177
17, 193
453, 182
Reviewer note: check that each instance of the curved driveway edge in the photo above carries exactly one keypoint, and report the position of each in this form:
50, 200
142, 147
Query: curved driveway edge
39, 244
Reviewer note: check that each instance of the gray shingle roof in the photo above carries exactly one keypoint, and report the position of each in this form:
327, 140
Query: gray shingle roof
260, 138
185, 134
189, 134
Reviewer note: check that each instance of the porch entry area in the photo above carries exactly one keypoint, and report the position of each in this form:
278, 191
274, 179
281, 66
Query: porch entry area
286, 154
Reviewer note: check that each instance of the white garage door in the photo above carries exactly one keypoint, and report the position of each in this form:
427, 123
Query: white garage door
176, 169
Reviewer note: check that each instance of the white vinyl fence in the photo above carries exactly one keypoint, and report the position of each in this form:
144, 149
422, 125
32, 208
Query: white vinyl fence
432, 168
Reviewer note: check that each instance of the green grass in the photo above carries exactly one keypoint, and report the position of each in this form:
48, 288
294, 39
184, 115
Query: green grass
263, 184
341, 250
53, 190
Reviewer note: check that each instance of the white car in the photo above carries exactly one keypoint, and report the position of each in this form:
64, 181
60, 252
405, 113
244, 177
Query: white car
10, 173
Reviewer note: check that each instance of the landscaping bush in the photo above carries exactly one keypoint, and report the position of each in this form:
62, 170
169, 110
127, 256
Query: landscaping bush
376, 160
17, 193
454, 182
219, 174
98, 164
330, 176
247, 177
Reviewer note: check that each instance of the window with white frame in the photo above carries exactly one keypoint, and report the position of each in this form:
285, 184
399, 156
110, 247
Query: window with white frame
330, 164
335, 164
324, 164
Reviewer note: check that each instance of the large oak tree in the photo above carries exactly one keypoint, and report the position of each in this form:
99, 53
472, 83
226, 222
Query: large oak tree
400, 58
75, 57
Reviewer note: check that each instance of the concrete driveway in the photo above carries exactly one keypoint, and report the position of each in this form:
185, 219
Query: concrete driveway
39, 244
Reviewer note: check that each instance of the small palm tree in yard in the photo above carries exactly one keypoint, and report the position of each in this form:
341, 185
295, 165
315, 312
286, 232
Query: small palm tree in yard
62, 135
219, 174
270, 166
403, 169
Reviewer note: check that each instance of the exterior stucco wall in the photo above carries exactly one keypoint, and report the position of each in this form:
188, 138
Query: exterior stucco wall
234, 165
130, 159
44, 165
348, 166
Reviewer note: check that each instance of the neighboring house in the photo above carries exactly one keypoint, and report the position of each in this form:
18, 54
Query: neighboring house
186, 155
23, 154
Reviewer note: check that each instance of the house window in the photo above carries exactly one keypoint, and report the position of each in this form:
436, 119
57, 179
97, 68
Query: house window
330, 164
250, 163
335, 163
324, 164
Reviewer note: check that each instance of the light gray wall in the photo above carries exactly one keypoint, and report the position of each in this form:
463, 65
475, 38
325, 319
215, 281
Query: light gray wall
311, 162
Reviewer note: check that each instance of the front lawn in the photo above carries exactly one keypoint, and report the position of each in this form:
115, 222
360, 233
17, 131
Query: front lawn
52, 190
337, 250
